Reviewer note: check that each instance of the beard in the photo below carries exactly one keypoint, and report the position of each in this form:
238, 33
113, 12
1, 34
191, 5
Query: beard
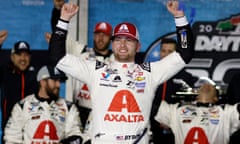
53, 93
101, 47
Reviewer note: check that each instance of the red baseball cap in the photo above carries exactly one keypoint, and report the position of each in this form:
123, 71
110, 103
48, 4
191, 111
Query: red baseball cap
126, 29
103, 27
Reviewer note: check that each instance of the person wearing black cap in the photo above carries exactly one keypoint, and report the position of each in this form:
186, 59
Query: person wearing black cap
44, 117
17, 78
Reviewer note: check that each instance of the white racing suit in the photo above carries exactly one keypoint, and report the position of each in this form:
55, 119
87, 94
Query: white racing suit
201, 124
122, 93
34, 121
77, 91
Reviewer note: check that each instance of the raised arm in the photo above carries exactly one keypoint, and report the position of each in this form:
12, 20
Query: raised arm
57, 44
184, 32
174, 62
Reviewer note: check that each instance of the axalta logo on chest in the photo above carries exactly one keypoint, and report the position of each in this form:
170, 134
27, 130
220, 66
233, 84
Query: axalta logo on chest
124, 108
123, 118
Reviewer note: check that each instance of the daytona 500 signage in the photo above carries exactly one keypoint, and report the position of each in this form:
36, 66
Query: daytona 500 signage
217, 49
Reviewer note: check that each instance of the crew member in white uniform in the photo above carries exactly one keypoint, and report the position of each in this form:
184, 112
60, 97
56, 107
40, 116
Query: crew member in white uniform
203, 121
44, 117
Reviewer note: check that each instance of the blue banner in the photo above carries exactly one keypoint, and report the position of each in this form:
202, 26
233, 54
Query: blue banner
26, 20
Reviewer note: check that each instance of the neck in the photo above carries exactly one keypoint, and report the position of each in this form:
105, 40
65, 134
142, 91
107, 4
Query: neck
43, 94
206, 100
102, 52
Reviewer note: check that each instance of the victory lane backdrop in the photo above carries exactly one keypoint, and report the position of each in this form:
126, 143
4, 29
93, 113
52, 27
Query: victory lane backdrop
30, 19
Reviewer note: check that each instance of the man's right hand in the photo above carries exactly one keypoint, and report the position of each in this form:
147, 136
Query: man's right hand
68, 11
173, 8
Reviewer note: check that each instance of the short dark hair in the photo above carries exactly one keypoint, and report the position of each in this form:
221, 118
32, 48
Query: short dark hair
168, 40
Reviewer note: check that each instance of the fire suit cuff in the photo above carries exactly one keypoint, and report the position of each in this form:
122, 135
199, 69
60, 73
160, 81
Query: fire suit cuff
181, 21
62, 24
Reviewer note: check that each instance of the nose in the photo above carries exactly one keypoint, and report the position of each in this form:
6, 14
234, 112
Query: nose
123, 42
101, 35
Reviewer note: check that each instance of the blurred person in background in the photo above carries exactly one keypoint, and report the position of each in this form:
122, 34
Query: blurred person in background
179, 82
203, 121
44, 117
17, 78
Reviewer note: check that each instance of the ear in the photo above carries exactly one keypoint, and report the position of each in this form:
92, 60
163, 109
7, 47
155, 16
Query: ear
11, 57
138, 47
215, 99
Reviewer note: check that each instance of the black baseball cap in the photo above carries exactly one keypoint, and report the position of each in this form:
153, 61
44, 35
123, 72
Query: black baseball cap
21, 46
50, 72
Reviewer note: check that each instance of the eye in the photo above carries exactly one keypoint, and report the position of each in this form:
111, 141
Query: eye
117, 39
129, 39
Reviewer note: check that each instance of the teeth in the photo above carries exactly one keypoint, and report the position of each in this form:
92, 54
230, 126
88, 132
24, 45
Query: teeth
123, 50
23, 63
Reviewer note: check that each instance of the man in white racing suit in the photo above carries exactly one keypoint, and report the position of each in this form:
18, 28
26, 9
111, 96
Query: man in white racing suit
203, 121
44, 117
122, 91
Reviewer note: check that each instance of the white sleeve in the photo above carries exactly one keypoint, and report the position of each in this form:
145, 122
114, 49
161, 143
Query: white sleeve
13, 132
77, 67
166, 68
182, 21
164, 114
74, 47
234, 116
73, 124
